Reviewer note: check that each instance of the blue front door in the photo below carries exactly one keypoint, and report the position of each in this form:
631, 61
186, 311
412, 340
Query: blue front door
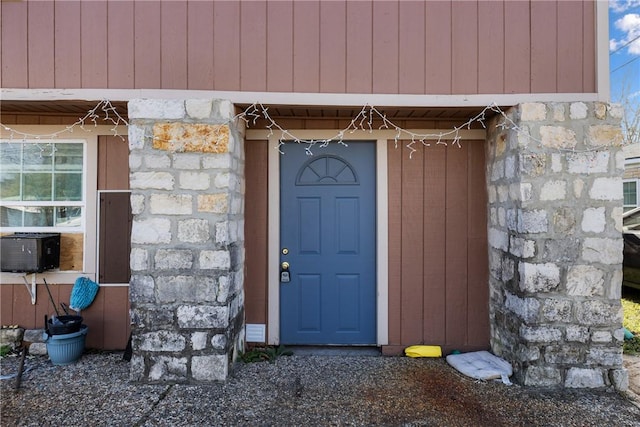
327, 237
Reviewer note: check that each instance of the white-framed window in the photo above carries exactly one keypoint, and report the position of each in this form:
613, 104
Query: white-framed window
42, 185
630, 193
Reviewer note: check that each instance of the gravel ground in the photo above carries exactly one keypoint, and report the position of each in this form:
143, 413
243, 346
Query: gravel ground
298, 390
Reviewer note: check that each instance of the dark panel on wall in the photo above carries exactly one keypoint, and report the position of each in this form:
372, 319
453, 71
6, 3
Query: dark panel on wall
115, 237
115, 217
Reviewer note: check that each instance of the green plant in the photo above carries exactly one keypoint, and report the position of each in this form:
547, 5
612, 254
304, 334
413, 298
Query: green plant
631, 320
4, 350
261, 354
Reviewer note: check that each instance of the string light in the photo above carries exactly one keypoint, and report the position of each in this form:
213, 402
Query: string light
92, 116
363, 121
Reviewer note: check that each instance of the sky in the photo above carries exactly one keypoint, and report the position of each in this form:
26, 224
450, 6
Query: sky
624, 48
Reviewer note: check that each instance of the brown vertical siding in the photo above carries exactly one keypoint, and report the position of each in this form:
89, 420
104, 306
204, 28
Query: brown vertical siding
359, 47
418, 47
394, 182
67, 44
517, 47
478, 266
279, 47
93, 44
570, 35
464, 50
173, 36
412, 247
491, 48
120, 46
253, 46
438, 45
41, 49
543, 59
589, 46
333, 48
306, 46
113, 163
438, 278
200, 45
116, 325
147, 26
385, 72
435, 241
107, 317
256, 231
411, 50
456, 250
226, 45
15, 66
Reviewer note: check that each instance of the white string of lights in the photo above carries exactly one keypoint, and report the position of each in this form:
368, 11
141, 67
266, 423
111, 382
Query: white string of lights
363, 121
104, 111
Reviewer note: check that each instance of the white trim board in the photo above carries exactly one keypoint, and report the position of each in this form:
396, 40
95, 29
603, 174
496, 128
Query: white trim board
309, 99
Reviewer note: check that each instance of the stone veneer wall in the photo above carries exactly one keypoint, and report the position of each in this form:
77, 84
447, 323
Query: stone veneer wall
187, 256
555, 244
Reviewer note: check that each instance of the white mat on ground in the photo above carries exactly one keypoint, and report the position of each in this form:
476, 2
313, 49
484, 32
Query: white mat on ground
481, 365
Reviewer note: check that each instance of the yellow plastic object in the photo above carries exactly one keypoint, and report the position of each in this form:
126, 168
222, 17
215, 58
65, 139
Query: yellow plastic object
423, 351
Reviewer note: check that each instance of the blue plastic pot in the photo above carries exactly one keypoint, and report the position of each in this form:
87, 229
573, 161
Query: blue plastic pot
66, 348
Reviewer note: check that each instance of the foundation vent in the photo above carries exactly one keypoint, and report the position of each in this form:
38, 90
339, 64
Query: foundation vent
256, 332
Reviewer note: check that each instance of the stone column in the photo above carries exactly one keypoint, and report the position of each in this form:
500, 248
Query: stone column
187, 252
554, 180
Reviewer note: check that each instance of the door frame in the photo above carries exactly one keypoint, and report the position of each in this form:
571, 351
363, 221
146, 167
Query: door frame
273, 257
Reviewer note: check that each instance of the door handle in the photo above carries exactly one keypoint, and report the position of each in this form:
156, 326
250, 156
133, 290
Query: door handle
285, 276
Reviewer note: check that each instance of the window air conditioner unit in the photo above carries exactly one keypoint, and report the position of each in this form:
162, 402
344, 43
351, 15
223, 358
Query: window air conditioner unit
29, 252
